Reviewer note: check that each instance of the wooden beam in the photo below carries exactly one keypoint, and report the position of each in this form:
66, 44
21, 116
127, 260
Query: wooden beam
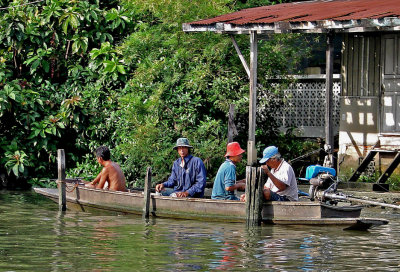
242, 59
251, 144
62, 199
329, 101
232, 131
388, 172
147, 188
364, 164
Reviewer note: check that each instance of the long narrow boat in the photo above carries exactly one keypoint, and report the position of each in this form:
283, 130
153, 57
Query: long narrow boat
274, 212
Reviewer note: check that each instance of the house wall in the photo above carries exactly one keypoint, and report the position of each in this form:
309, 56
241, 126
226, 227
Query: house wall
358, 131
361, 102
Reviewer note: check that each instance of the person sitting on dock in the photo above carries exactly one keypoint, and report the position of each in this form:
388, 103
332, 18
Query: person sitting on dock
225, 182
188, 177
111, 172
281, 184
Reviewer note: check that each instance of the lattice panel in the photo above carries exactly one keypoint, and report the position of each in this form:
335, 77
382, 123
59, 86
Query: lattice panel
370, 170
304, 105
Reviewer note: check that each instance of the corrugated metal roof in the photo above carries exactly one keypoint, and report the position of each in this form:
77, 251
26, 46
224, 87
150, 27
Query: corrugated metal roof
308, 16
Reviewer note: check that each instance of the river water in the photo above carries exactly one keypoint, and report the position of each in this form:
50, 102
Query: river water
35, 236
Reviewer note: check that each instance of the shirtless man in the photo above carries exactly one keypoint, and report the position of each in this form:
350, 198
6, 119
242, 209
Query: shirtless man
111, 172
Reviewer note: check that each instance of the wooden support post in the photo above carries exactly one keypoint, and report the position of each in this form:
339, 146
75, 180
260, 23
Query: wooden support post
147, 188
254, 199
232, 131
251, 144
62, 199
388, 172
242, 59
364, 164
329, 140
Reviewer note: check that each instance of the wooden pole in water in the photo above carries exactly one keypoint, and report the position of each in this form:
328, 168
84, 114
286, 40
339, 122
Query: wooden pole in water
255, 179
62, 199
329, 137
251, 144
147, 188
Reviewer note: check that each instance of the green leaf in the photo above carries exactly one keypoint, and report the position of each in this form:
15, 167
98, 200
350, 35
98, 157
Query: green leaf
121, 69
94, 15
109, 66
11, 95
74, 21
65, 26
46, 66
21, 27
15, 169
35, 64
28, 61
111, 16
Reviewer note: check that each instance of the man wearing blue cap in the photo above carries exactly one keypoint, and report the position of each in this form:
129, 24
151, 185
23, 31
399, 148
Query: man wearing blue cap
281, 184
188, 177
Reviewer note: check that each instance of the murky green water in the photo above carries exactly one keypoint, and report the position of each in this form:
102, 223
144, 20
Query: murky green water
35, 236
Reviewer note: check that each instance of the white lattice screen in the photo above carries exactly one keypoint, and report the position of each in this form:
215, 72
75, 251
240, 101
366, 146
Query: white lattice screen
304, 107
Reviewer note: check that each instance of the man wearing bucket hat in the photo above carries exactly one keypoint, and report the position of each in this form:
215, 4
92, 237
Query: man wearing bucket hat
188, 177
225, 182
281, 184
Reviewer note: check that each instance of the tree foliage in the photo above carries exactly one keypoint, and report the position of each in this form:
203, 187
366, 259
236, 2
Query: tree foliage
79, 74
58, 90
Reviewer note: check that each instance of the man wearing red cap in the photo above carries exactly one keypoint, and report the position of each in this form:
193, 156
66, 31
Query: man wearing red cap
225, 182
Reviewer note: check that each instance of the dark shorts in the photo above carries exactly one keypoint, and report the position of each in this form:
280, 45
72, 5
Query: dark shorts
275, 197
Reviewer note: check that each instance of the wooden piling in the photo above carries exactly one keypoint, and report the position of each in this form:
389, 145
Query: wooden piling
329, 126
255, 179
251, 143
62, 199
147, 188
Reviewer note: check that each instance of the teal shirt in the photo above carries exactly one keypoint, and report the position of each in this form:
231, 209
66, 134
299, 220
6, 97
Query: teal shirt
226, 177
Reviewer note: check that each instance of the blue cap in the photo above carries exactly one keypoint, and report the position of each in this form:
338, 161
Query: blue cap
269, 152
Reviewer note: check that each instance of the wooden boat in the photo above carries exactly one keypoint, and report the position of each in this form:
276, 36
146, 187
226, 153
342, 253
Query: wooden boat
274, 212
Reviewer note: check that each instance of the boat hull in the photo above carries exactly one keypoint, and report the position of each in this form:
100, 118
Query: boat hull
274, 212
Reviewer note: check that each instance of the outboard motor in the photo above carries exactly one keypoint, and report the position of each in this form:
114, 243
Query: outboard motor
320, 178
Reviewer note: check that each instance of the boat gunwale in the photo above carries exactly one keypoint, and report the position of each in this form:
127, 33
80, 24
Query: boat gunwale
140, 194
207, 200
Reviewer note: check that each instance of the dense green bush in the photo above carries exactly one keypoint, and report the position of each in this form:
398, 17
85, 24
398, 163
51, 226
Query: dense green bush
79, 74
60, 79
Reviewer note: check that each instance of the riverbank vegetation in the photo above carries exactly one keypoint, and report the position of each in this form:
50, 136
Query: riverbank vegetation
79, 74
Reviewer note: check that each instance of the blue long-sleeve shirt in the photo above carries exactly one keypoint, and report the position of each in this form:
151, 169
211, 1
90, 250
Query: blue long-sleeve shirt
191, 178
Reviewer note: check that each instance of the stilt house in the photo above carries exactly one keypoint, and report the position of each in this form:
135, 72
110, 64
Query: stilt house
361, 104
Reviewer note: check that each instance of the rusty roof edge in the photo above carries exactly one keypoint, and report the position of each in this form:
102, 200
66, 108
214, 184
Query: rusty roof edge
359, 25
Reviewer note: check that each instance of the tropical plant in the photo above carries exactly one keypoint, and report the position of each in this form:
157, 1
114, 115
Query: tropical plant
79, 74
16, 162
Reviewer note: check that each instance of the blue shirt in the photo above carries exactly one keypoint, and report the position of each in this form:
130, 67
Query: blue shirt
191, 178
226, 177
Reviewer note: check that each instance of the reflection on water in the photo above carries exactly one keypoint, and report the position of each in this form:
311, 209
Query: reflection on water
35, 236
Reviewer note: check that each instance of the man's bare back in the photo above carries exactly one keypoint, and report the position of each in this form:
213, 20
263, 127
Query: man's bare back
114, 176
111, 173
